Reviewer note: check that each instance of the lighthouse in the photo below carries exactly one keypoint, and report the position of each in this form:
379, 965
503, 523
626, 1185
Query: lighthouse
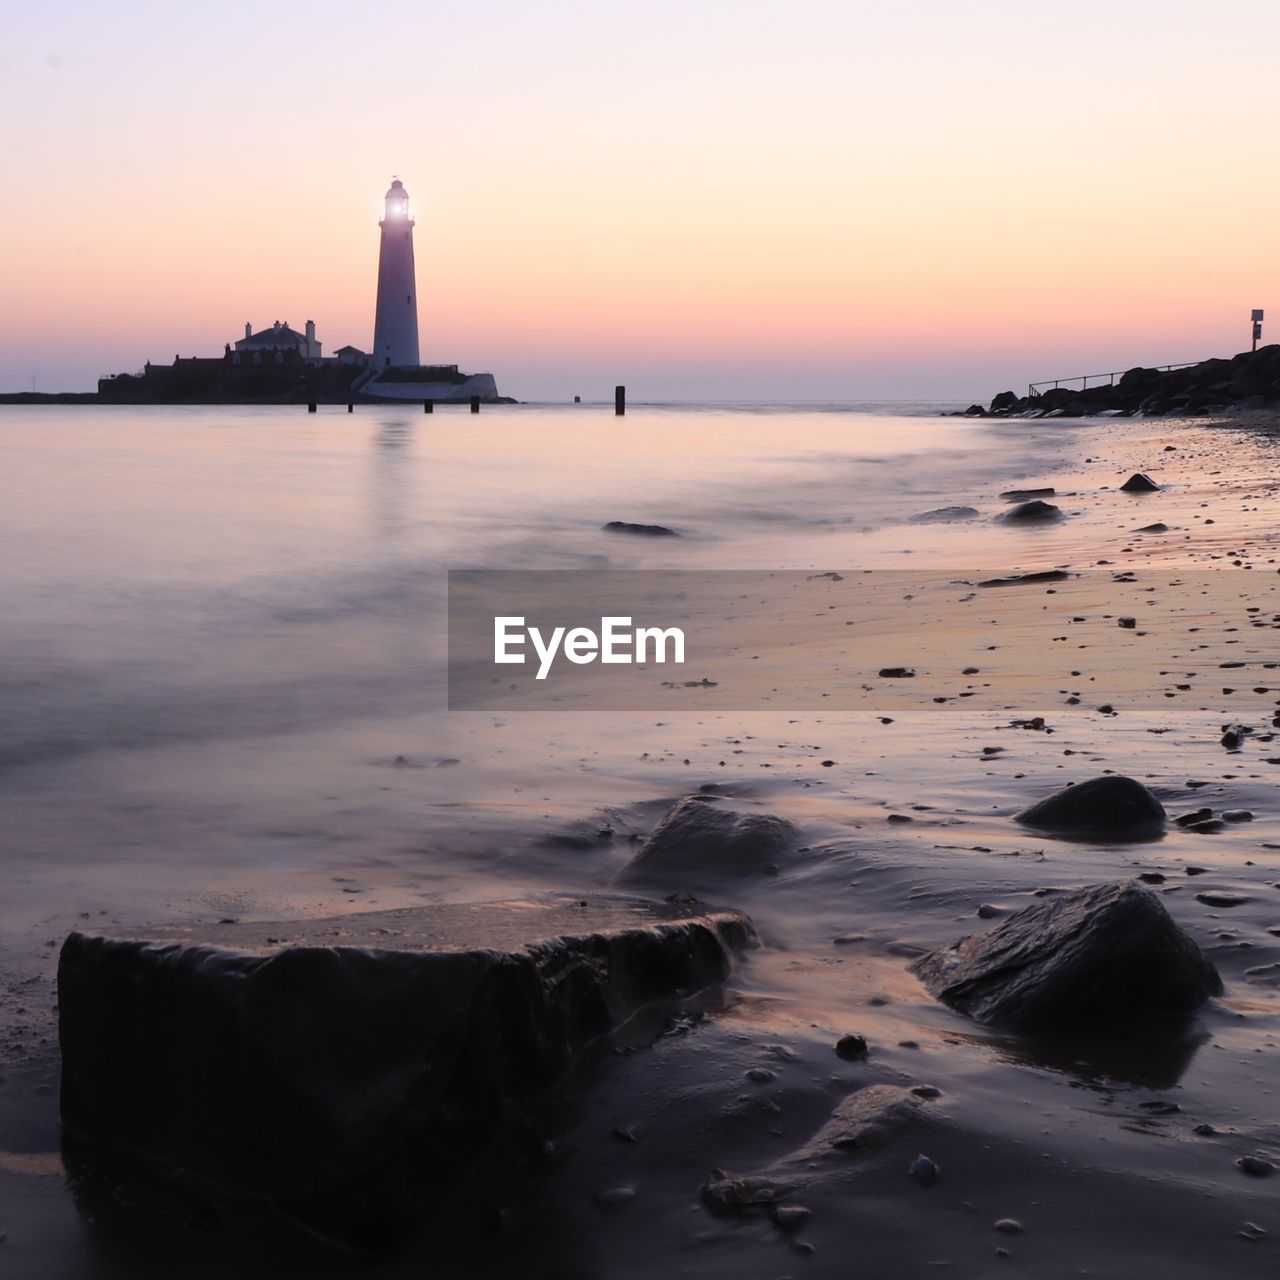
395, 329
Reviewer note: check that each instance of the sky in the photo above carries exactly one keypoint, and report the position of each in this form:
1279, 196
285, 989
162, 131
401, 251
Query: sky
703, 199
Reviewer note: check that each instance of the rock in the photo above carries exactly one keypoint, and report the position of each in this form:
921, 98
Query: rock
613, 1198
1196, 815
1026, 495
975, 411
1111, 806
940, 515
865, 1121
1237, 815
790, 1217
896, 673
1025, 579
1233, 735
1224, 900
851, 1047
643, 530
1107, 953
924, 1172
1139, 482
1127, 623
1032, 512
347, 1070
1158, 527
1008, 1226
1004, 400
1255, 1166
761, 1075
727, 1195
698, 837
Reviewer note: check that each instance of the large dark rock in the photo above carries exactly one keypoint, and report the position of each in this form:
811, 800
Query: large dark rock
1111, 806
1004, 400
349, 1069
1139, 482
698, 839
1108, 953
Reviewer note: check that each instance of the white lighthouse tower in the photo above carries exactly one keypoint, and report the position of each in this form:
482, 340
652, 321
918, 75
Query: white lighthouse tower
395, 329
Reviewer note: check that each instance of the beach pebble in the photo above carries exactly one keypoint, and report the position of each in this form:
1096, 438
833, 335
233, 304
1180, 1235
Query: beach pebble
1009, 1226
1127, 623
1255, 1166
1211, 899
924, 1172
1238, 815
644, 530
760, 1075
987, 912
896, 673
1196, 815
614, 1198
851, 1047
790, 1217
927, 1091
1139, 482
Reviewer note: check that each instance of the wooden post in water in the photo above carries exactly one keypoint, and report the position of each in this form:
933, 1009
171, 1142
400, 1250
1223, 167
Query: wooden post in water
428, 407
619, 400
311, 407
475, 404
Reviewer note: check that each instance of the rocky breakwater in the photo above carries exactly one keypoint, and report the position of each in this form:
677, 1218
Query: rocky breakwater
1250, 380
349, 1070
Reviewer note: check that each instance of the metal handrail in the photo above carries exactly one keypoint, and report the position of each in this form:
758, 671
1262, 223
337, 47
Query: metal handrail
1035, 388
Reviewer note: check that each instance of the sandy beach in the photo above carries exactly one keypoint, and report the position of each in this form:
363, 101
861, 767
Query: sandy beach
1097, 1159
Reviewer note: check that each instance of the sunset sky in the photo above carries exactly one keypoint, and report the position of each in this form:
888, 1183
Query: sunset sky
707, 199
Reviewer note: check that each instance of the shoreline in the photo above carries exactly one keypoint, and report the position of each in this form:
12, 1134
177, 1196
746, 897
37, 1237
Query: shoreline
1020, 1133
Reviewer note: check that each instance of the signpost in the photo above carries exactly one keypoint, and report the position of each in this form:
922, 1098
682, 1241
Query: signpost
1257, 327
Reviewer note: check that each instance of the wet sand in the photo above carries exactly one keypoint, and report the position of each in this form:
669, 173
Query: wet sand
1093, 1151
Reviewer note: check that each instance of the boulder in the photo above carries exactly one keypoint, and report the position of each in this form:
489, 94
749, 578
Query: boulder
1139, 482
698, 838
1106, 954
347, 1070
1108, 807
1026, 495
1031, 512
1004, 400
643, 530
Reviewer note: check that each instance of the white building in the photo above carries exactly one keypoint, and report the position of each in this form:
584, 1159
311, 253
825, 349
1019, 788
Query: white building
280, 338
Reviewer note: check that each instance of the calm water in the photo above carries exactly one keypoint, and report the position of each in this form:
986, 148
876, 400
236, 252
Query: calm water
214, 616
